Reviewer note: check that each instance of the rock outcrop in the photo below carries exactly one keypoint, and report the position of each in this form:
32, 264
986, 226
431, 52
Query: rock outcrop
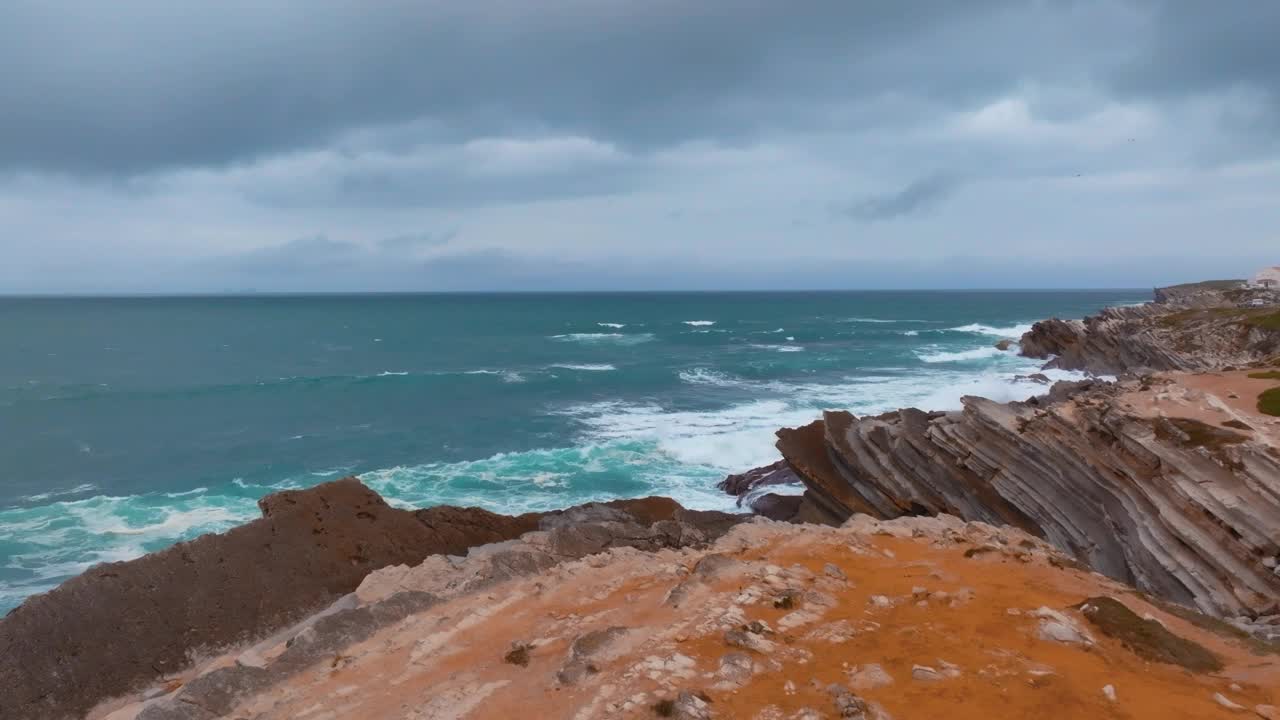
1189, 328
121, 624
1176, 506
775, 621
755, 489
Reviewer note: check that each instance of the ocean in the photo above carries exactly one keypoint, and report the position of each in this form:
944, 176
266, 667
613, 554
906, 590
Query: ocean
128, 424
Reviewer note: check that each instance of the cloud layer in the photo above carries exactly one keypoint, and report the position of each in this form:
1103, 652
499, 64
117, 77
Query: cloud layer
501, 144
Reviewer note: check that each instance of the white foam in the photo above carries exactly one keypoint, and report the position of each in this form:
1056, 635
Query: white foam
780, 348
616, 338
616, 326
911, 333
1012, 331
740, 436
586, 367
981, 353
188, 493
880, 320
707, 376
699, 323
390, 373
508, 376
173, 522
77, 490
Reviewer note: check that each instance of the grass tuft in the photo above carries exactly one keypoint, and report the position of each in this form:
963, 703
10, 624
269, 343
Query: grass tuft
1269, 402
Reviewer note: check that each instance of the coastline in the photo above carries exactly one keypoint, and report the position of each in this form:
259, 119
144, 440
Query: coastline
985, 463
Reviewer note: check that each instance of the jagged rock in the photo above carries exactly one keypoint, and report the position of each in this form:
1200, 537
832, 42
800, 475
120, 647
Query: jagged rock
735, 669
1195, 330
752, 490
1177, 507
1057, 627
852, 707
691, 706
748, 640
118, 625
869, 677
589, 649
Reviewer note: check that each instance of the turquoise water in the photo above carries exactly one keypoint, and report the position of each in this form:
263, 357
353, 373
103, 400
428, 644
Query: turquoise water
129, 424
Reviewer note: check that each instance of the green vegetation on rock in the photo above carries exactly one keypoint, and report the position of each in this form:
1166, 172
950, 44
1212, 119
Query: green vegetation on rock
1269, 402
1266, 375
1266, 321
1147, 638
1193, 433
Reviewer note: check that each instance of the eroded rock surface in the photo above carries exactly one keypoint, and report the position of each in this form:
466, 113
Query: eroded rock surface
600, 641
1176, 506
121, 624
1190, 328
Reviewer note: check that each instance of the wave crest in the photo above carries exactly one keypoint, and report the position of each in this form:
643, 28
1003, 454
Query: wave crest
1011, 331
960, 355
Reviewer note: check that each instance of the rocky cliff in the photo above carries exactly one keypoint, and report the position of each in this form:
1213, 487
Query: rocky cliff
119, 625
1172, 489
1197, 327
1169, 482
602, 617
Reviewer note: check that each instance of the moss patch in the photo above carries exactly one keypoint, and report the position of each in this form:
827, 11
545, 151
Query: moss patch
1147, 638
1214, 625
1266, 321
1267, 375
1269, 402
1196, 433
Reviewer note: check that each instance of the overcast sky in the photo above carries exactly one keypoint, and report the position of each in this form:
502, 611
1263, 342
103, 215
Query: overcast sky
156, 146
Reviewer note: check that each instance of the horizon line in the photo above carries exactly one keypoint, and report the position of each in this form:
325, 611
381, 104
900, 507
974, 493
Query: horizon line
386, 293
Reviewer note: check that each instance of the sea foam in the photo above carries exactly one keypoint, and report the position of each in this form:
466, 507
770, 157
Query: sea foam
1012, 331
981, 353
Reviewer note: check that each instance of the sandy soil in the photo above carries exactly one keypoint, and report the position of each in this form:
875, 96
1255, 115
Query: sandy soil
1213, 398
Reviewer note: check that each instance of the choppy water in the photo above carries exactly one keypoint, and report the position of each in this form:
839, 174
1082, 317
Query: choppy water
129, 424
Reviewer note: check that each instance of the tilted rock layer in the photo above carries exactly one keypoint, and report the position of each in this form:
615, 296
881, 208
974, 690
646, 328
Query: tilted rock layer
1191, 328
909, 618
1125, 477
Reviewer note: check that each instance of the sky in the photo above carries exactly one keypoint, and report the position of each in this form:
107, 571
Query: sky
152, 146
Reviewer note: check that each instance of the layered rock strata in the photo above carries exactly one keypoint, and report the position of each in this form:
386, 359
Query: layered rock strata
1189, 328
1184, 508
121, 624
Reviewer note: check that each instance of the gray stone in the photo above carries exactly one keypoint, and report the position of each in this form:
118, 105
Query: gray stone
869, 677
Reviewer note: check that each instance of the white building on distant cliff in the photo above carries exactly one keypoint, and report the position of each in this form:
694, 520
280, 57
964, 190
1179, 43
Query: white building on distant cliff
1267, 278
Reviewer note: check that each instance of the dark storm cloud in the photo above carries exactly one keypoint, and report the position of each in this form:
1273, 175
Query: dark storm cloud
148, 144
1204, 47
132, 86
918, 196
